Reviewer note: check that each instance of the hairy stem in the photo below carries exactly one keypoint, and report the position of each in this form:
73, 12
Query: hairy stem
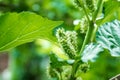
74, 69
89, 31
90, 35
87, 37
94, 33
99, 6
86, 14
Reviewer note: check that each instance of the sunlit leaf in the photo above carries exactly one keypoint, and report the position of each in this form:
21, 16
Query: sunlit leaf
91, 52
108, 36
19, 28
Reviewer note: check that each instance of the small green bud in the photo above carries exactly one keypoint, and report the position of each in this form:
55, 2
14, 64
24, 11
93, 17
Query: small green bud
79, 3
90, 5
84, 67
83, 25
66, 72
52, 73
67, 41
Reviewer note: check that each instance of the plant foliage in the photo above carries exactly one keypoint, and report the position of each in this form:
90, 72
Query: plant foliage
91, 52
108, 36
16, 30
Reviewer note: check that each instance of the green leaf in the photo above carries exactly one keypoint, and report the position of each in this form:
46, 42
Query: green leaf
91, 52
20, 28
108, 36
110, 11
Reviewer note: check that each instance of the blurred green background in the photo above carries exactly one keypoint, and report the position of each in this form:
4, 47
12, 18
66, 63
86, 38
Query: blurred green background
30, 61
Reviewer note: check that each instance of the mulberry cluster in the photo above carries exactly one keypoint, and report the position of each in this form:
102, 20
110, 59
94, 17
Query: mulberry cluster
67, 41
89, 4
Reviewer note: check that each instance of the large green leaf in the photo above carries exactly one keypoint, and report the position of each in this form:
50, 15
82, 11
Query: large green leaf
19, 28
108, 36
91, 52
